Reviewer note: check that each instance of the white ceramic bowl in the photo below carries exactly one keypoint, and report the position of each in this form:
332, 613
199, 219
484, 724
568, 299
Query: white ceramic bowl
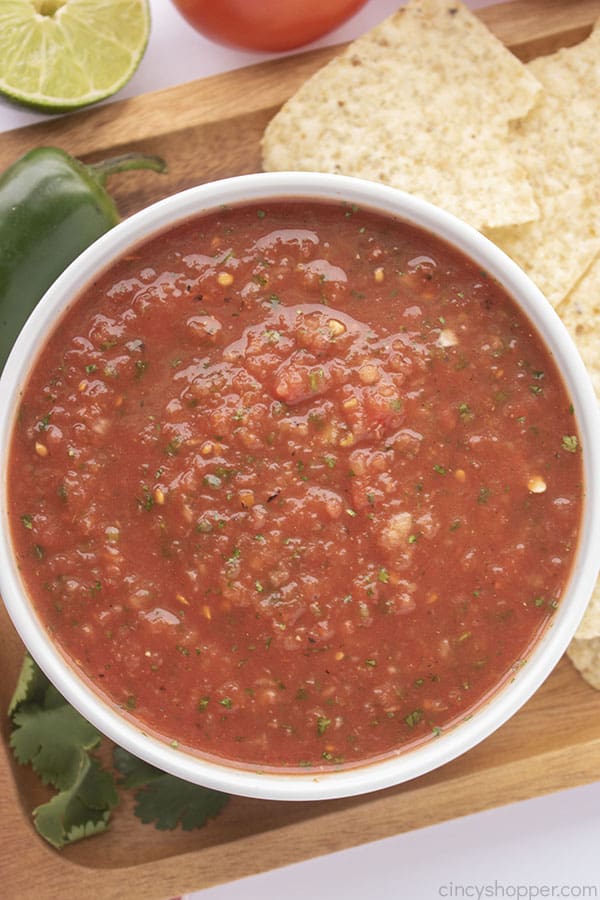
408, 764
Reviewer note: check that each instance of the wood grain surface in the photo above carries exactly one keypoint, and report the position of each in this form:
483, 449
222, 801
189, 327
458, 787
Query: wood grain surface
210, 129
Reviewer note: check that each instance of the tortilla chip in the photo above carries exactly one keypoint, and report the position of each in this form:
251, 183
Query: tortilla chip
558, 144
580, 312
585, 656
590, 624
422, 102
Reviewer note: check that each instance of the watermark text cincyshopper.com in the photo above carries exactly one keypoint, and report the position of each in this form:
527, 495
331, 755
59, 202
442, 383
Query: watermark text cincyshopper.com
498, 889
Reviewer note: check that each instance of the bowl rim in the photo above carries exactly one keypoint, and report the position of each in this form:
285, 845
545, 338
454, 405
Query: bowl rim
547, 650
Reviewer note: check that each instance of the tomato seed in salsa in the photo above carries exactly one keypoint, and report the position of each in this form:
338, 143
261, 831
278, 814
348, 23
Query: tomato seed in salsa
295, 485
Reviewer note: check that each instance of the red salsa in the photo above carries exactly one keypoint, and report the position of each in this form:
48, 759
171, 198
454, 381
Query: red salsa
295, 485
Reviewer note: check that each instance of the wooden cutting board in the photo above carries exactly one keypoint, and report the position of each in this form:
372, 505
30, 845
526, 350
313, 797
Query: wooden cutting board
210, 129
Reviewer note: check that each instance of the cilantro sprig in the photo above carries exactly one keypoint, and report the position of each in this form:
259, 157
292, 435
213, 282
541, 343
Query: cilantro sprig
52, 737
60, 745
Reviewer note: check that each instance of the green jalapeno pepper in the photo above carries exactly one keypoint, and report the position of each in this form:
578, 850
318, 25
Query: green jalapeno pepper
52, 207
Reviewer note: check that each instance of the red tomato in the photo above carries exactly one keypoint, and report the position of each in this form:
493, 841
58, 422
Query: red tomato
266, 24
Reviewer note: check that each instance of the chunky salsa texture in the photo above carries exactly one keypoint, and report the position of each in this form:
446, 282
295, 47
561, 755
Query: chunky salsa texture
295, 485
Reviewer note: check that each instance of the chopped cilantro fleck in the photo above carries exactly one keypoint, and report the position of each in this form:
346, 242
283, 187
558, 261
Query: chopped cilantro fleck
323, 724
271, 335
316, 378
570, 443
147, 501
172, 448
413, 718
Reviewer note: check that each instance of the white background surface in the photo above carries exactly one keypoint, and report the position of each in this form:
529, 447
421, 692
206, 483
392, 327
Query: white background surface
512, 852
546, 847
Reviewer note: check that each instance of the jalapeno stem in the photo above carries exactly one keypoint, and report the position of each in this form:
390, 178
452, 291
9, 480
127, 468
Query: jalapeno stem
102, 170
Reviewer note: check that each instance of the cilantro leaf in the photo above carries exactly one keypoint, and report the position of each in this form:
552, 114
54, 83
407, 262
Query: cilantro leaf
165, 800
31, 685
169, 801
52, 698
136, 772
80, 810
54, 740
98, 790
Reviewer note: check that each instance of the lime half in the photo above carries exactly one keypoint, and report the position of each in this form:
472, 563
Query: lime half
58, 55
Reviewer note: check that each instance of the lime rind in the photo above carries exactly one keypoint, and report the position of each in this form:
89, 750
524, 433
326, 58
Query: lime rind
87, 51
